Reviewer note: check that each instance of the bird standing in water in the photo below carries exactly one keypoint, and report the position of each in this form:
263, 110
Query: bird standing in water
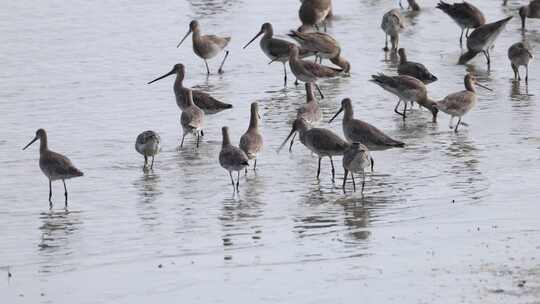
251, 142
206, 46
147, 144
520, 55
55, 166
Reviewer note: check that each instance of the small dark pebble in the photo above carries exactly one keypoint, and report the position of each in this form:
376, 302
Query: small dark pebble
160, 266
522, 283
9, 275
453, 201
42, 294
227, 257
499, 290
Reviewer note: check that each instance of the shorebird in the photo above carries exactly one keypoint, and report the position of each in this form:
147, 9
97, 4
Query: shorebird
481, 40
308, 71
206, 46
356, 159
204, 101
412, 5
414, 69
232, 158
392, 24
466, 15
460, 103
356, 130
147, 144
55, 166
322, 142
519, 55
323, 46
406, 88
192, 119
275, 49
252, 142
532, 10
313, 13
310, 111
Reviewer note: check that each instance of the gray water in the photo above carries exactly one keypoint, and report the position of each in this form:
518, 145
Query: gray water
450, 218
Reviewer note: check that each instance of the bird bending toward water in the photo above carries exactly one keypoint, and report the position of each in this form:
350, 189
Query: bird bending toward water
147, 144
251, 142
519, 55
322, 142
356, 130
466, 15
55, 166
203, 100
481, 40
460, 103
323, 46
310, 111
192, 119
206, 46
414, 69
232, 158
308, 71
406, 88
392, 24
356, 159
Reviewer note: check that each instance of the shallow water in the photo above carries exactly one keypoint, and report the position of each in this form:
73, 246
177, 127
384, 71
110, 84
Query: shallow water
450, 218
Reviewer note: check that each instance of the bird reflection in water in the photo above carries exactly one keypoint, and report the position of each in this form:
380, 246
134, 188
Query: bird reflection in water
57, 230
239, 218
148, 192
465, 167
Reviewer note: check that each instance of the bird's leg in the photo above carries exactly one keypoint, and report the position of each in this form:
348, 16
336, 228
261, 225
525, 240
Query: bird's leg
324, 24
457, 125
333, 170
207, 68
292, 141
353, 182
319, 89
527, 74
65, 192
198, 136
202, 133
400, 5
461, 37
237, 181
145, 161
450, 124
345, 179
385, 43
396, 108
467, 33
152, 165
405, 111
514, 69
296, 83
50, 193
255, 165
183, 136
319, 168
220, 71
284, 74
363, 180
232, 180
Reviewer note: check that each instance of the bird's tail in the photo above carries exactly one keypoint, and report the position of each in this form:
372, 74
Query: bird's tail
467, 56
75, 172
443, 6
381, 79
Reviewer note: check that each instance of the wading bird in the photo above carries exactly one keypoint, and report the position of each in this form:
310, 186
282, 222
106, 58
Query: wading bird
55, 166
206, 46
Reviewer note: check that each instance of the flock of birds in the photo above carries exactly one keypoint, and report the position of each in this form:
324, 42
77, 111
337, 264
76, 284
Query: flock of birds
312, 40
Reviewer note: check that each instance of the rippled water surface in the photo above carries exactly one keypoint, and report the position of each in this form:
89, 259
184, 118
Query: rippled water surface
450, 218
